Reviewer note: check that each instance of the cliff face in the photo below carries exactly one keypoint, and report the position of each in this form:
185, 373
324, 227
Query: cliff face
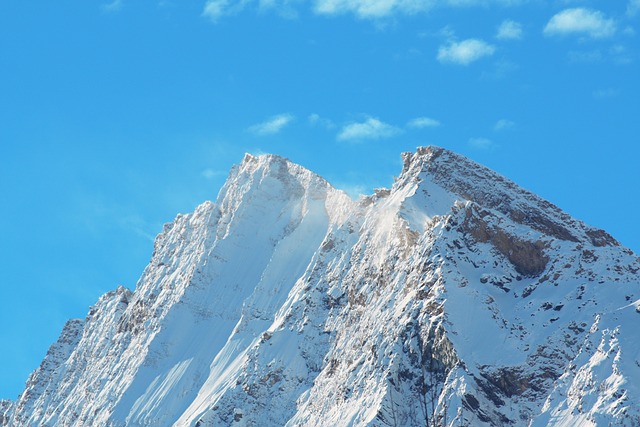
453, 298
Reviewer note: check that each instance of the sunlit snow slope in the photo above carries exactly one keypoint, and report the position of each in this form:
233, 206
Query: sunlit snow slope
454, 298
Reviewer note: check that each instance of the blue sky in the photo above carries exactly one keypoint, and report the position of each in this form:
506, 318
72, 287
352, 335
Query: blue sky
117, 115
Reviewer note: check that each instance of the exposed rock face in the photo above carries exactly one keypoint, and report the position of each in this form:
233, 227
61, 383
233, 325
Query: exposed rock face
527, 257
453, 298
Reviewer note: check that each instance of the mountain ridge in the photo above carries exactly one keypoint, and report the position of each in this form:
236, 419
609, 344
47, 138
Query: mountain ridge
455, 297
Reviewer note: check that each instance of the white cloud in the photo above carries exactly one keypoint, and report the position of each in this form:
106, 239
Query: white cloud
317, 120
633, 7
509, 30
272, 125
503, 124
465, 52
580, 21
371, 128
423, 122
481, 143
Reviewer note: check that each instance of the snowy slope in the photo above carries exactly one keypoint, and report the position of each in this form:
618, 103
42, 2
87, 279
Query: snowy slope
453, 298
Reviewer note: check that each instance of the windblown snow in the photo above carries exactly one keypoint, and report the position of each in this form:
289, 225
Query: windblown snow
454, 298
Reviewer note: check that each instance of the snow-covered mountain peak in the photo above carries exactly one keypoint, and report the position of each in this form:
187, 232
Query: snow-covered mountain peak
270, 165
452, 298
470, 181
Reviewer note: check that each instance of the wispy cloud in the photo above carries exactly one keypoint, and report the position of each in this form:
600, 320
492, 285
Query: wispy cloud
216, 9
113, 6
284, 8
423, 122
371, 128
372, 9
503, 124
621, 55
316, 120
592, 23
617, 54
353, 190
211, 173
465, 52
363, 9
509, 30
481, 143
605, 93
585, 55
500, 69
272, 125
633, 8
100, 215
138, 225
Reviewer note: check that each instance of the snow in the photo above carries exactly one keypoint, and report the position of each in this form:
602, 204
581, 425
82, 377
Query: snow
284, 302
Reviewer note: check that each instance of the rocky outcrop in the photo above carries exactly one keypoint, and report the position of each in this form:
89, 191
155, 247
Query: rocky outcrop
528, 257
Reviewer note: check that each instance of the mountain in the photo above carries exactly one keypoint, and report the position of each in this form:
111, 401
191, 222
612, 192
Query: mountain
453, 298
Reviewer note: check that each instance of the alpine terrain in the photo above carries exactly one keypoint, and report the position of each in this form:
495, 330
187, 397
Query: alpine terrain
454, 298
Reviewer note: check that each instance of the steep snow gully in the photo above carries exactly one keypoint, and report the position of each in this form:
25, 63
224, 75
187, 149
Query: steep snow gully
454, 298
